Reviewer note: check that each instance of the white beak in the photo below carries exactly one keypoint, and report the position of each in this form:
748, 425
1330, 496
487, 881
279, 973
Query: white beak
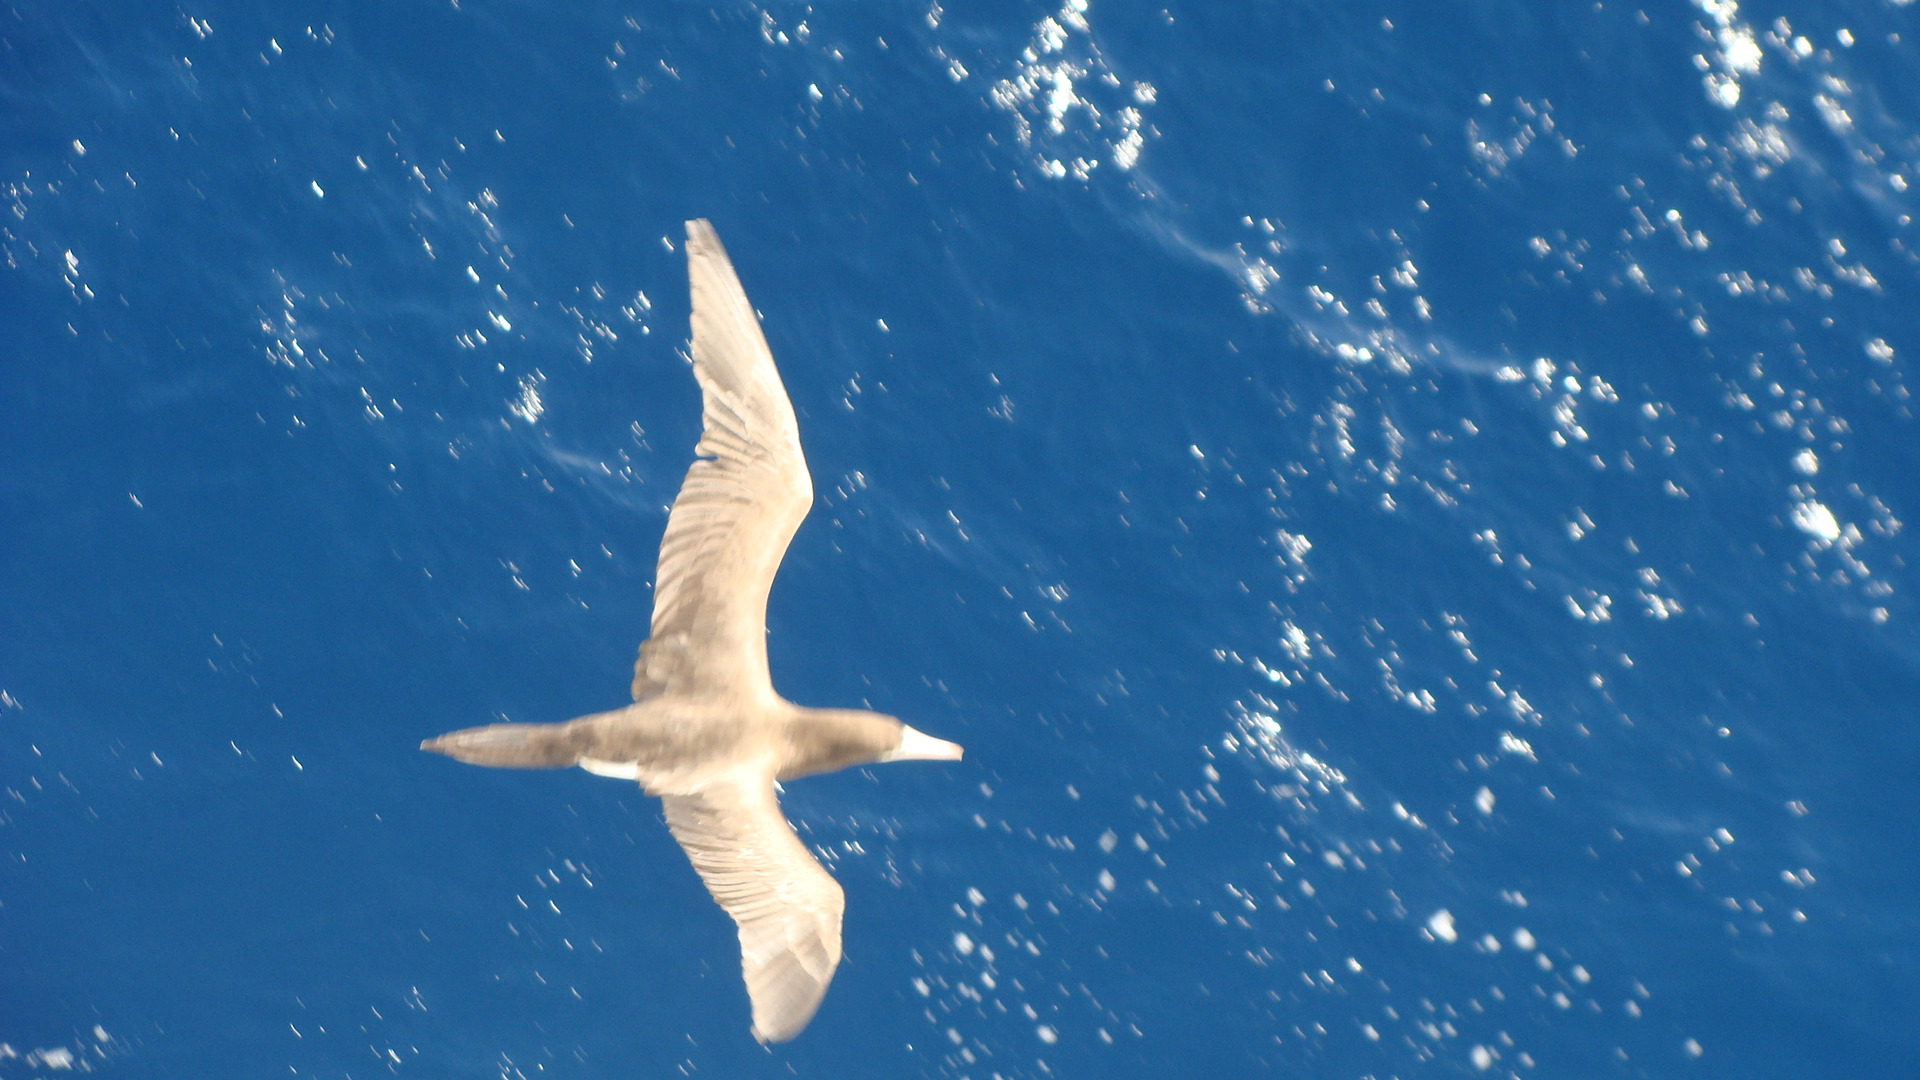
920, 746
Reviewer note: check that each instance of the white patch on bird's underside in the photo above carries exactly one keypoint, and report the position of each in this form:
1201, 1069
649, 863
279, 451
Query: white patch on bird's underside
619, 770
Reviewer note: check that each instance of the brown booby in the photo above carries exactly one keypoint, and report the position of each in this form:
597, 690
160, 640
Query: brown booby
706, 732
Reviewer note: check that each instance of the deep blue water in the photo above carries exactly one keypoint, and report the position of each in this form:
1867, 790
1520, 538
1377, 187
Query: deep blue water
1407, 506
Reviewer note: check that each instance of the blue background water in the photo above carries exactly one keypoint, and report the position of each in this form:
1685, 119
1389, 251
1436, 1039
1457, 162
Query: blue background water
1405, 505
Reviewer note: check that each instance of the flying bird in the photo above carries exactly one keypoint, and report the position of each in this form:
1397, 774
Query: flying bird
706, 732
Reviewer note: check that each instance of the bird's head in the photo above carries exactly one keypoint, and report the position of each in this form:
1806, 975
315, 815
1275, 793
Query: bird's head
823, 740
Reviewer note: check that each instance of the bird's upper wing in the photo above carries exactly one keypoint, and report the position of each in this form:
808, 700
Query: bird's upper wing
787, 906
740, 503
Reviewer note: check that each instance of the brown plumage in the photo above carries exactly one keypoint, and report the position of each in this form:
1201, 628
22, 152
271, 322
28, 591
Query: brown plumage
706, 732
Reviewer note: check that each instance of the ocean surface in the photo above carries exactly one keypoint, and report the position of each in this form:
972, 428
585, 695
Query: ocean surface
1408, 506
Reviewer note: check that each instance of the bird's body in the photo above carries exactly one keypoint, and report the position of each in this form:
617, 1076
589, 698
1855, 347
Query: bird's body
706, 731
674, 746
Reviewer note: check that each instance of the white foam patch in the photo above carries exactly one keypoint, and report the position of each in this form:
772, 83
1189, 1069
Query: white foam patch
1814, 519
528, 406
1069, 107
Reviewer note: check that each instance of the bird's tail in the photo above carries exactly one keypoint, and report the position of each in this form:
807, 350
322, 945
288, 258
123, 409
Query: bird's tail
510, 746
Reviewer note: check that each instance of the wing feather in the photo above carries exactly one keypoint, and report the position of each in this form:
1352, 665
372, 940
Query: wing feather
786, 905
739, 506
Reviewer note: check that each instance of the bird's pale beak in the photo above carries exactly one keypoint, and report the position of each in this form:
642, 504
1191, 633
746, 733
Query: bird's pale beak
920, 746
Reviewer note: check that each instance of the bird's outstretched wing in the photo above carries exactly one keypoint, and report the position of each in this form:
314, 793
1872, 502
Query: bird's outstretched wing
740, 503
787, 906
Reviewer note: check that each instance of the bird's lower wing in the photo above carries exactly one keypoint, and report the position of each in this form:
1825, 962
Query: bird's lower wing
787, 906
